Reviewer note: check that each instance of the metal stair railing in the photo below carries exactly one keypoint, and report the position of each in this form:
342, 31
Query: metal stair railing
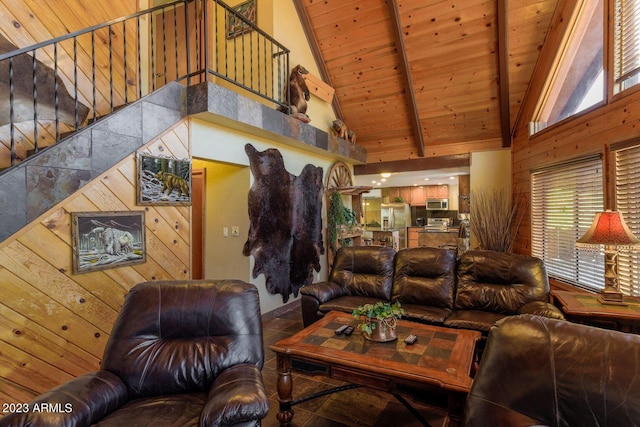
57, 87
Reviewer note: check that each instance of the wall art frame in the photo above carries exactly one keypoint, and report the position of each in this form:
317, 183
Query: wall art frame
163, 180
103, 240
235, 26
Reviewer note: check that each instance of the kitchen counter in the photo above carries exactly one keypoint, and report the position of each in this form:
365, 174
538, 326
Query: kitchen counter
436, 230
438, 238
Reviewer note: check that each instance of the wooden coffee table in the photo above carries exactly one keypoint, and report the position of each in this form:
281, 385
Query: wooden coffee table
439, 363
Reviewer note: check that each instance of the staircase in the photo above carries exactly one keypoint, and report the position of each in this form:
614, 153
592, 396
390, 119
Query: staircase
78, 120
34, 186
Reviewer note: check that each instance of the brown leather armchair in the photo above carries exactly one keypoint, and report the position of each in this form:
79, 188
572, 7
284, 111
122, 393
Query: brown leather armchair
181, 353
541, 371
492, 285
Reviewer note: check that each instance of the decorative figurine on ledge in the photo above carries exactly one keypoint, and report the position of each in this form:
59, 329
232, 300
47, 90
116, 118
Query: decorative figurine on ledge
351, 136
298, 93
339, 128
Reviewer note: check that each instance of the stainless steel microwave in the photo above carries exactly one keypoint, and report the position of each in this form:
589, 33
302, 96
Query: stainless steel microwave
437, 204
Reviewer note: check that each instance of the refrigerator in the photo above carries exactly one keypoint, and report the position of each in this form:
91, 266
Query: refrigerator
396, 216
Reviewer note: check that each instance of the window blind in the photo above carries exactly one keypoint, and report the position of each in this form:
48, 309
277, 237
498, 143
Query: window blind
564, 200
627, 43
627, 177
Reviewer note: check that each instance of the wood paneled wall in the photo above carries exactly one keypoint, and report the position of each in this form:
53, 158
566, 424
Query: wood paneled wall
54, 324
593, 132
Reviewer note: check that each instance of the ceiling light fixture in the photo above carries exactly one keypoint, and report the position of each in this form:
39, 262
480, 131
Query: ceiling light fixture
385, 175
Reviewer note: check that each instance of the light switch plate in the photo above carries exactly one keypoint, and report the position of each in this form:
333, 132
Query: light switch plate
235, 231
225, 231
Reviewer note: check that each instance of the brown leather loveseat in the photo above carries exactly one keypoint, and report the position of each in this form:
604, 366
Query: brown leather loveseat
181, 353
433, 286
537, 371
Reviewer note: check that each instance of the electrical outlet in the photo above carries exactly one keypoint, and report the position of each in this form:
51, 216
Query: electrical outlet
235, 231
225, 231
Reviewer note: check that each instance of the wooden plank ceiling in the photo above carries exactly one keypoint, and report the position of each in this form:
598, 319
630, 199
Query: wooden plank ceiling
422, 78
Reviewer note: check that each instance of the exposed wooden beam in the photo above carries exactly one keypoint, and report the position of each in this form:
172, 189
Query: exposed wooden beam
503, 73
317, 54
406, 76
425, 163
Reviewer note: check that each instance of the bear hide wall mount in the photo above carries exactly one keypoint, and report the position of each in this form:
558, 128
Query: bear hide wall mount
285, 222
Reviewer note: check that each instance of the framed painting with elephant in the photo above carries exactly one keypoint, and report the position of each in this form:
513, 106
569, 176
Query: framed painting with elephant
104, 240
163, 180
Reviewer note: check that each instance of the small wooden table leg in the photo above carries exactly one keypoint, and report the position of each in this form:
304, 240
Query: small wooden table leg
285, 391
455, 412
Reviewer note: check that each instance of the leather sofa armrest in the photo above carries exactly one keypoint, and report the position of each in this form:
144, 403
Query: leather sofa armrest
315, 294
236, 396
79, 402
541, 308
323, 291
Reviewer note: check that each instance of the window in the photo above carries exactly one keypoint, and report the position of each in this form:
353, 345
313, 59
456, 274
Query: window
627, 44
627, 175
576, 81
564, 200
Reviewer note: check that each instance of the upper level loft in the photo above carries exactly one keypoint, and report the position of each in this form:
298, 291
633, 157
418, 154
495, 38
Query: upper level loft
54, 88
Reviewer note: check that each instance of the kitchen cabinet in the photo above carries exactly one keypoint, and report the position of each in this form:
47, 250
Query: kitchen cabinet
437, 191
395, 192
392, 193
405, 193
418, 196
413, 236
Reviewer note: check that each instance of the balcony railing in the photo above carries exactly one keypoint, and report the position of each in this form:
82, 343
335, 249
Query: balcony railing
55, 88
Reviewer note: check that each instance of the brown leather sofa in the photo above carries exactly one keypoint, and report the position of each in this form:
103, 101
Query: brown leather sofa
181, 353
433, 286
539, 371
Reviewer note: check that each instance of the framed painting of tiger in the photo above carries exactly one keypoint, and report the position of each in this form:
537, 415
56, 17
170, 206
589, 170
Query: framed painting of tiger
163, 180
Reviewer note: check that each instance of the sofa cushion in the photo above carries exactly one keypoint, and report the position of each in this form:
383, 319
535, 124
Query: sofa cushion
364, 271
159, 411
425, 313
499, 282
425, 276
473, 319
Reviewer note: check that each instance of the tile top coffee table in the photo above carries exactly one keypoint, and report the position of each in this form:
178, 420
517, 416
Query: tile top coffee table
440, 361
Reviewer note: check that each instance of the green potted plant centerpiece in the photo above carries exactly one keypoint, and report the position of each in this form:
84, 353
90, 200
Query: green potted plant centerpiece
379, 320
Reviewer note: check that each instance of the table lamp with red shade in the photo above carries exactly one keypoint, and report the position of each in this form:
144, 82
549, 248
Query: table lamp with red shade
609, 233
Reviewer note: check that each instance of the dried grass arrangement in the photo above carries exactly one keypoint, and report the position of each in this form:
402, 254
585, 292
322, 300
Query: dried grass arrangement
494, 218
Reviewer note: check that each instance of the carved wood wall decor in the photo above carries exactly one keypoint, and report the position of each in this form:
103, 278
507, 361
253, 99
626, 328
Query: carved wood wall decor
285, 222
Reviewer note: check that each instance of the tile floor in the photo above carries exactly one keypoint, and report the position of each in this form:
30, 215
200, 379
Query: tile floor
361, 407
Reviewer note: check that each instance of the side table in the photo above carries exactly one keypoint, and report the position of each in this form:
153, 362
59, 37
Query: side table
585, 308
